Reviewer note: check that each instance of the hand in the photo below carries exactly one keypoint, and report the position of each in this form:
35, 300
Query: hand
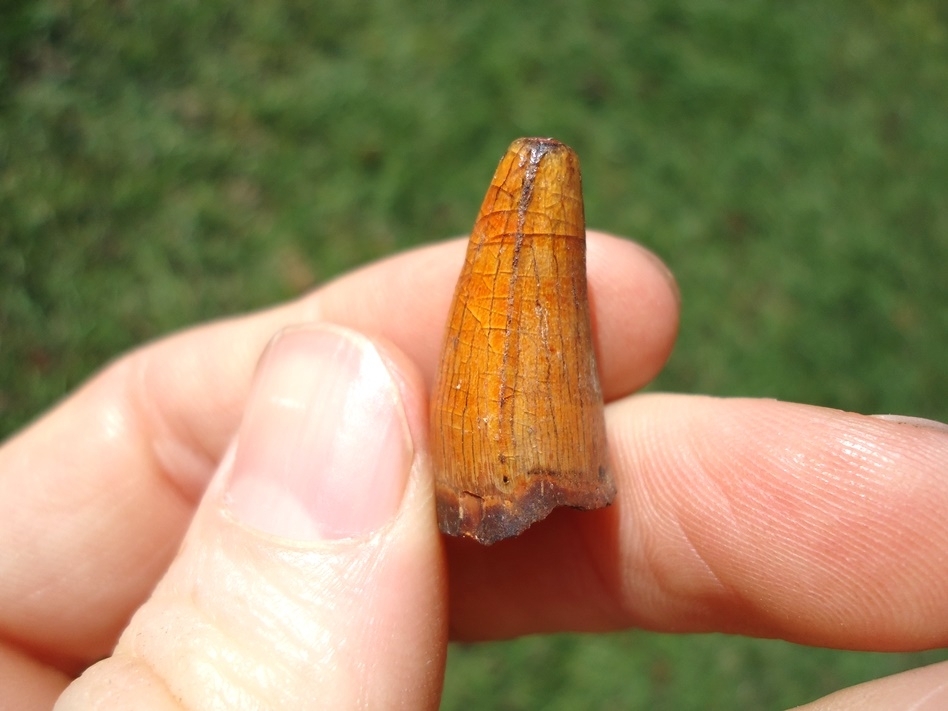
311, 571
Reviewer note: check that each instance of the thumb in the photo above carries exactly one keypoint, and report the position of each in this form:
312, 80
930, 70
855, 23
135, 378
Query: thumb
312, 575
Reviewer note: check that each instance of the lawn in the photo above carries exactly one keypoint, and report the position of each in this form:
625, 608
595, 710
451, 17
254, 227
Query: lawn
167, 163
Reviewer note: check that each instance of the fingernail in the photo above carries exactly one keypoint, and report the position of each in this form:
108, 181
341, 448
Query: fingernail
915, 422
324, 449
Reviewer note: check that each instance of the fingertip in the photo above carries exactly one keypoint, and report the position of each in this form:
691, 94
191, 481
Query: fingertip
922, 689
635, 304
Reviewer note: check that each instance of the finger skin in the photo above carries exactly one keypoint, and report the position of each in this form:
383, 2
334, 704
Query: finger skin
28, 683
406, 300
923, 689
745, 516
243, 622
133, 450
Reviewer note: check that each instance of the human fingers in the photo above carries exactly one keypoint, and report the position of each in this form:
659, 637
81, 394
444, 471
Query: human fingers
923, 689
632, 294
133, 450
745, 516
312, 574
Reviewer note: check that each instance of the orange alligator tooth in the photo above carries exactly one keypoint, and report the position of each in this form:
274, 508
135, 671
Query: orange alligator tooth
517, 421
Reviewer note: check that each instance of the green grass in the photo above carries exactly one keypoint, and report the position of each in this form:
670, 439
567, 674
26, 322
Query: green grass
165, 163
641, 670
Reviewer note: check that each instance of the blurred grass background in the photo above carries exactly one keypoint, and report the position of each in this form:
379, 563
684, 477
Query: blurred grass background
167, 163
